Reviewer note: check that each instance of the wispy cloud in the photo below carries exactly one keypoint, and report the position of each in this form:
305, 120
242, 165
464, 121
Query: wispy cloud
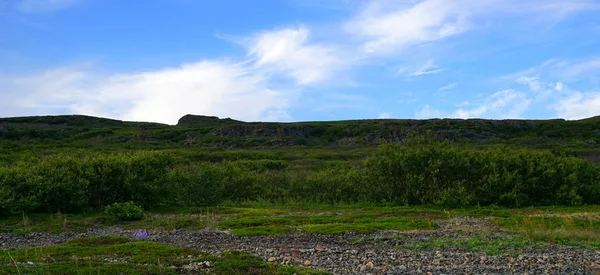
533, 82
429, 67
502, 104
448, 87
564, 69
392, 26
384, 116
279, 64
579, 105
572, 70
429, 112
206, 87
289, 50
43, 6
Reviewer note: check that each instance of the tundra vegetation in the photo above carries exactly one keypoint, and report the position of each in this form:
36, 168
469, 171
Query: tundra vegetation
71, 173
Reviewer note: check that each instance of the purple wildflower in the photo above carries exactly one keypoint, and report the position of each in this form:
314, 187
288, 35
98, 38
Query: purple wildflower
141, 234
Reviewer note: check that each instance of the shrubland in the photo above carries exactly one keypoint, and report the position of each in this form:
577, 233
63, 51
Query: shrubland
424, 172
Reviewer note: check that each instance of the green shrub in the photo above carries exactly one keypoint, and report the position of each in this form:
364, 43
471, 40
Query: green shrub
127, 211
199, 185
440, 174
138, 177
421, 172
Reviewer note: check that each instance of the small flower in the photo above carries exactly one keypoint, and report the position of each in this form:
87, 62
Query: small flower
141, 234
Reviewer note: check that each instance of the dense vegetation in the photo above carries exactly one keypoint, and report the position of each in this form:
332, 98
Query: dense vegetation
402, 175
74, 164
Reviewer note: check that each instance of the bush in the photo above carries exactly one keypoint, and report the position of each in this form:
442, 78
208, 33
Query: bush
199, 185
414, 174
444, 175
127, 211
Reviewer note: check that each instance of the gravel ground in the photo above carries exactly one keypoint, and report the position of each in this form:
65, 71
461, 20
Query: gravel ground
374, 254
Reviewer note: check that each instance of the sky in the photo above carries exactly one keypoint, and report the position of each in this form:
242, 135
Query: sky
300, 60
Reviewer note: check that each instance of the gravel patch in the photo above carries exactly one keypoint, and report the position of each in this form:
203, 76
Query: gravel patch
375, 253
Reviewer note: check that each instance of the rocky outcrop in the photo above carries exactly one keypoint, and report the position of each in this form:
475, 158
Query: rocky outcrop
263, 130
202, 121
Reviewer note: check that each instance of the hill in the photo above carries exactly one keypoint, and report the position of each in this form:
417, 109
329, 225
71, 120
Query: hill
582, 136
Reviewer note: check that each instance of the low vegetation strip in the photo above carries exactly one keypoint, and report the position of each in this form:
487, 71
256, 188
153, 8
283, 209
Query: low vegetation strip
321, 224
490, 243
428, 173
458, 245
119, 255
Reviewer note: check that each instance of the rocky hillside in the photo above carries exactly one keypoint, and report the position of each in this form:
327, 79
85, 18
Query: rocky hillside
398, 131
206, 131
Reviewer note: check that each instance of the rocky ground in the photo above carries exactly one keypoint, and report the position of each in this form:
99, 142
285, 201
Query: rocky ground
376, 253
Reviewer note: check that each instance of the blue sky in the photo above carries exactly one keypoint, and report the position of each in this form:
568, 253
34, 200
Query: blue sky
298, 60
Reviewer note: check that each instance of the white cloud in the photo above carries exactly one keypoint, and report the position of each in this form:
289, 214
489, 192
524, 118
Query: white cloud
533, 82
391, 26
429, 112
579, 105
281, 63
565, 70
42, 6
559, 86
448, 87
502, 104
429, 67
384, 116
207, 87
572, 70
556, 95
542, 89
554, 9
289, 51
463, 104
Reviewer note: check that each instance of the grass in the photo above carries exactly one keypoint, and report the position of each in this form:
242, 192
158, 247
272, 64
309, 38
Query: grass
59, 223
50, 223
573, 226
564, 230
100, 255
327, 223
489, 243
169, 222
368, 225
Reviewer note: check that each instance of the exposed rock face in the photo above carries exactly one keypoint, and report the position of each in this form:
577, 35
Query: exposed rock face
263, 130
200, 121
376, 131
211, 131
